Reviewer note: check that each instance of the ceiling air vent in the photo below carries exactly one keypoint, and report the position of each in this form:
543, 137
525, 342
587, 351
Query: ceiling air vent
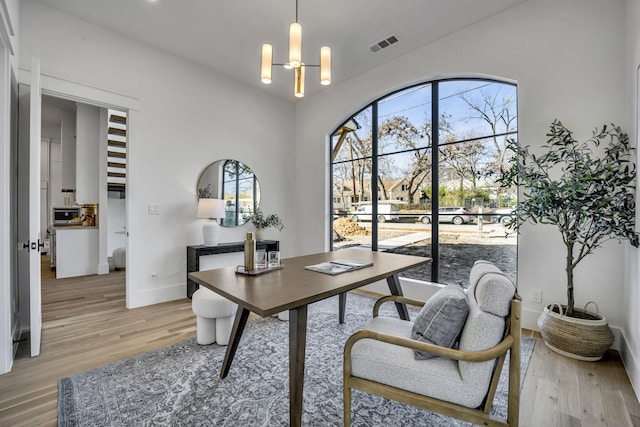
384, 43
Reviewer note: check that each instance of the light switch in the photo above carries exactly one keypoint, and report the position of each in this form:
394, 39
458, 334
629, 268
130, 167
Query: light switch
154, 209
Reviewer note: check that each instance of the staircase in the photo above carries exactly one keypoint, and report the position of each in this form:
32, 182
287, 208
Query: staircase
117, 152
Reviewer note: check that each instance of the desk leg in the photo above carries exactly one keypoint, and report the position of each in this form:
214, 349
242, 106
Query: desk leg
236, 333
394, 287
342, 305
297, 344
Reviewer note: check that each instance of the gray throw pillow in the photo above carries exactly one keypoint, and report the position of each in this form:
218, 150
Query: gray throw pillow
441, 319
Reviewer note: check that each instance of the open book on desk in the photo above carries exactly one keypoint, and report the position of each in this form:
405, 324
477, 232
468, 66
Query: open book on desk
338, 266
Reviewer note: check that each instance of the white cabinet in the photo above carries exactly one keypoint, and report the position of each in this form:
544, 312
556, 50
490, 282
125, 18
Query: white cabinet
68, 150
87, 153
56, 196
76, 251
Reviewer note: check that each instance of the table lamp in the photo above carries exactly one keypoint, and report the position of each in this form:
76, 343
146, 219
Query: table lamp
212, 209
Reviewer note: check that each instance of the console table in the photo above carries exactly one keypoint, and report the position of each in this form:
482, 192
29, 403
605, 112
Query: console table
195, 252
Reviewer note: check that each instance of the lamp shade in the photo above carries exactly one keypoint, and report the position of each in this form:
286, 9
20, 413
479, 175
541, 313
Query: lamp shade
295, 45
210, 208
265, 69
325, 65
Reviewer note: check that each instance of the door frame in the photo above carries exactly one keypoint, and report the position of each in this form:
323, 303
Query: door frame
81, 92
8, 87
7, 218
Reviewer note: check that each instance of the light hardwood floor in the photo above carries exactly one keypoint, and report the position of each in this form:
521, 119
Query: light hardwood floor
86, 325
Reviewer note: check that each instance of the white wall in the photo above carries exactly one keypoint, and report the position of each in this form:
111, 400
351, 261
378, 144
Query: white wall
566, 57
188, 117
8, 68
630, 306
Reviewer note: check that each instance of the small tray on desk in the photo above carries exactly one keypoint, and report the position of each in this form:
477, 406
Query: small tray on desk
258, 271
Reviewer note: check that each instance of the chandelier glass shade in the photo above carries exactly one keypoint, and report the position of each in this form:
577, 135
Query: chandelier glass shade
295, 45
295, 60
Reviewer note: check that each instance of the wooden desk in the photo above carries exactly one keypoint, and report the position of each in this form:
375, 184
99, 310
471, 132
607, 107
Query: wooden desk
293, 288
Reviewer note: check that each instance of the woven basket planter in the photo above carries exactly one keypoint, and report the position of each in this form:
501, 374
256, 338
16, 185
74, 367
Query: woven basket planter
584, 337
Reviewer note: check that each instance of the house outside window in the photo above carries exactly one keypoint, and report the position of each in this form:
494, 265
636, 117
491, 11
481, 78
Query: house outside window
449, 206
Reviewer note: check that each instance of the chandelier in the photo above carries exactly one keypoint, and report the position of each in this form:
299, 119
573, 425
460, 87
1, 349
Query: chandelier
295, 60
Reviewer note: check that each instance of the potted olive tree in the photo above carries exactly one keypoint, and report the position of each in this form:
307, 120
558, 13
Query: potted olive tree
587, 190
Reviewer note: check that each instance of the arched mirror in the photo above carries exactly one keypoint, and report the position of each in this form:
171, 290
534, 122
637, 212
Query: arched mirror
234, 182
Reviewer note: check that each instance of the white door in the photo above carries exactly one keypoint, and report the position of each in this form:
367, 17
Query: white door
30, 235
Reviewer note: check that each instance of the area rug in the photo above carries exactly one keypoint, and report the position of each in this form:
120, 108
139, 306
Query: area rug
179, 385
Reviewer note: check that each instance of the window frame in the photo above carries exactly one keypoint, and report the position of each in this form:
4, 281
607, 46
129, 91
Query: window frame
435, 163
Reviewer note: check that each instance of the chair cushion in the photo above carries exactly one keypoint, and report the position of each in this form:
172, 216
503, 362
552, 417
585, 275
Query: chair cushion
489, 295
396, 366
491, 288
441, 319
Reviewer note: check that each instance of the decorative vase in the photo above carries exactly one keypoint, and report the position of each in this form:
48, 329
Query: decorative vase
586, 336
259, 234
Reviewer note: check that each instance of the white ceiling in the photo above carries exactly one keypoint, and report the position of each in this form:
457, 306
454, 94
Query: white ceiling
227, 36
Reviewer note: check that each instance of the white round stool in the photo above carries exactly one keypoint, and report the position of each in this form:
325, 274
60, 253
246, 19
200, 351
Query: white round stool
119, 258
214, 316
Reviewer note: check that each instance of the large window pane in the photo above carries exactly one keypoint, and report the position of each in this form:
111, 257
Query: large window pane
470, 227
351, 150
384, 186
477, 119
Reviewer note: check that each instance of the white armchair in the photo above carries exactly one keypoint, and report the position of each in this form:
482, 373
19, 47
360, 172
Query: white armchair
460, 383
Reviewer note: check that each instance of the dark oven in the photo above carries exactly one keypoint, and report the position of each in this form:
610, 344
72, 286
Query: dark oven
62, 216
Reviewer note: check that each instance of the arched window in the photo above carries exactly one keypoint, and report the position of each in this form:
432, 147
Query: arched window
392, 191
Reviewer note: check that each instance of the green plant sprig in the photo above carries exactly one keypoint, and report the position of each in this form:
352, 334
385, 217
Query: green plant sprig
261, 221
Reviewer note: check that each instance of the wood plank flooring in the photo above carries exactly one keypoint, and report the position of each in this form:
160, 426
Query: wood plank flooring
86, 325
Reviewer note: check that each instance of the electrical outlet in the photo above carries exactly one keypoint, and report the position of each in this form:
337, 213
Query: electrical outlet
537, 296
154, 209
153, 277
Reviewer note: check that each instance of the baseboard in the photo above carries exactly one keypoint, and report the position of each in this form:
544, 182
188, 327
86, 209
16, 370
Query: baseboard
157, 295
529, 319
103, 268
631, 364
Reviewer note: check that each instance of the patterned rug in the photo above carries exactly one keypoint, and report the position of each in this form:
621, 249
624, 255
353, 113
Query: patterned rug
179, 385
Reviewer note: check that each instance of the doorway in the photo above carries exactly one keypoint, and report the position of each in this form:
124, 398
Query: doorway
73, 194
66, 90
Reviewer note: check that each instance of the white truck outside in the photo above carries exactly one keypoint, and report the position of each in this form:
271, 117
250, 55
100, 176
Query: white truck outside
386, 212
